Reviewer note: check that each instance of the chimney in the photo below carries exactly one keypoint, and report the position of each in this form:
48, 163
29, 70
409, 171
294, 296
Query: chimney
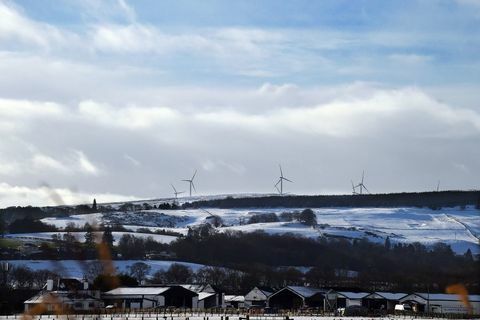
50, 285
85, 285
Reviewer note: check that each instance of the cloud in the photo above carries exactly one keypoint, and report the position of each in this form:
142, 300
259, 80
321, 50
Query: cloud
132, 160
13, 195
44, 162
84, 164
410, 58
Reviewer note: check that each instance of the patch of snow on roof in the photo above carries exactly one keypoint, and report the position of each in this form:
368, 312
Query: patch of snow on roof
138, 290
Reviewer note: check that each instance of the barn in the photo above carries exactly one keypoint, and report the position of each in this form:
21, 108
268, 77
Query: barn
208, 296
347, 299
296, 297
441, 303
258, 297
151, 297
235, 302
383, 301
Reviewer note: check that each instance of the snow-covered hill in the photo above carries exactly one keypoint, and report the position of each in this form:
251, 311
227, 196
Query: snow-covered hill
457, 227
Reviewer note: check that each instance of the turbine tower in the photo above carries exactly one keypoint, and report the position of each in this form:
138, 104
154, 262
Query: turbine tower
176, 192
361, 185
354, 191
438, 186
280, 181
190, 181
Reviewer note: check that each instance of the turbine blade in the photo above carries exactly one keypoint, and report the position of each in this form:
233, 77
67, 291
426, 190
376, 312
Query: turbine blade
278, 190
365, 188
287, 180
193, 177
186, 180
193, 186
281, 172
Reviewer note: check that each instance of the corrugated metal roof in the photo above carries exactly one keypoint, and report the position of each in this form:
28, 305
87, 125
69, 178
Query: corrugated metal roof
388, 295
306, 291
446, 296
137, 291
204, 295
230, 298
353, 295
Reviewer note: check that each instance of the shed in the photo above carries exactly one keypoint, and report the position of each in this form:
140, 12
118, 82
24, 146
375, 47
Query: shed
380, 300
441, 303
236, 302
347, 299
258, 296
296, 297
136, 298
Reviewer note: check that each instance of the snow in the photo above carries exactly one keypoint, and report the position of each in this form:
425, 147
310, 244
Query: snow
305, 291
80, 236
137, 291
460, 228
77, 268
204, 295
446, 296
387, 295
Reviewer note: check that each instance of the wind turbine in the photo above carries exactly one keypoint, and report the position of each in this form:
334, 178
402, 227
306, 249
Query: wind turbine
361, 186
176, 192
280, 181
190, 181
438, 186
354, 191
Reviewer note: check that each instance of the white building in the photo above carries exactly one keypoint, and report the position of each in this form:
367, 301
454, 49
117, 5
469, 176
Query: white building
64, 294
441, 303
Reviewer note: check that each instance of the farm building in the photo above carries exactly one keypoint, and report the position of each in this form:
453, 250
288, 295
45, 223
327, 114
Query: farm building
64, 294
441, 303
295, 297
258, 297
236, 302
384, 301
208, 296
347, 299
151, 297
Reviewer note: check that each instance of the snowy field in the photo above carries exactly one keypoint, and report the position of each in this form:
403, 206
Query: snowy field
77, 268
80, 236
454, 226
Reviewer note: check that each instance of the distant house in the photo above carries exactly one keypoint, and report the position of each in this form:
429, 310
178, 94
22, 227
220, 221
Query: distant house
296, 297
258, 297
347, 299
236, 302
380, 300
64, 294
441, 303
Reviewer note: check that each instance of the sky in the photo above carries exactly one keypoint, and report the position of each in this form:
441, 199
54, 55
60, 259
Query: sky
118, 99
